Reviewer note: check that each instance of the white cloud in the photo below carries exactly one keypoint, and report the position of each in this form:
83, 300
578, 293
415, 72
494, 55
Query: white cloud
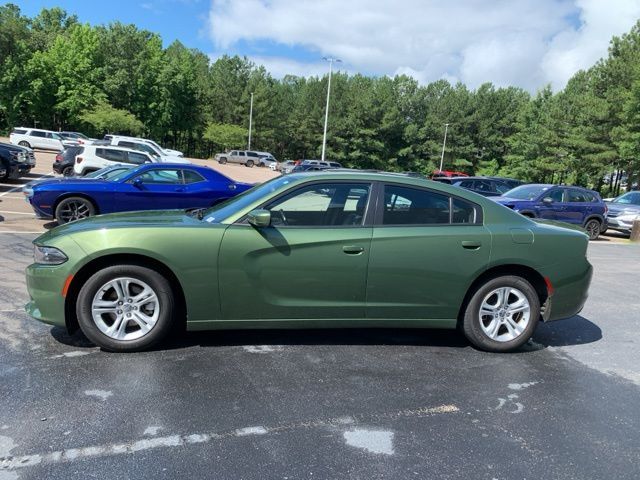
522, 42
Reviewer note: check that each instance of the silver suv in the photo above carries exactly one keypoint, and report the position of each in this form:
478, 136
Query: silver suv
244, 157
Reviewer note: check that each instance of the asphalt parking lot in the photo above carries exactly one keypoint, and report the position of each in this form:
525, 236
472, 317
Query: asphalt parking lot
331, 404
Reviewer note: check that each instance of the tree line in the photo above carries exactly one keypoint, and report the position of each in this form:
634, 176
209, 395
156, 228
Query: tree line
58, 73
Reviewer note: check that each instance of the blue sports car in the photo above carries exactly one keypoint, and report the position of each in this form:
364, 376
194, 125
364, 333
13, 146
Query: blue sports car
155, 186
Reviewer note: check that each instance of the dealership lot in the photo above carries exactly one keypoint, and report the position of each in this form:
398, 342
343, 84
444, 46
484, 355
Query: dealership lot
321, 404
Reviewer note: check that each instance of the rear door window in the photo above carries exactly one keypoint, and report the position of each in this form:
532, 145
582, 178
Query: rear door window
576, 196
412, 206
137, 158
36, 133
191, 177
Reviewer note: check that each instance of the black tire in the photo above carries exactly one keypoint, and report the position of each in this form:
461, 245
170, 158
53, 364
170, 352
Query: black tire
222, 160
24, 143
593, 228
67, 171
249, 164
5, 175
471, 322
160, 286
71, 209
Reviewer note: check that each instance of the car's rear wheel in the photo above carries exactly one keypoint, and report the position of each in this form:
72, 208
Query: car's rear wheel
125, 308
74, 208
222, 160
249, 163
24, 144
593, 228
67, 171
502, 314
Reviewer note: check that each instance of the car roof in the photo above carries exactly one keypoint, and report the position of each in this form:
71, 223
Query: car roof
114, 147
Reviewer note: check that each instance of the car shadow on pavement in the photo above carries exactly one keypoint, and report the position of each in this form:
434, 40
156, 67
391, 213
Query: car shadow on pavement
574, 331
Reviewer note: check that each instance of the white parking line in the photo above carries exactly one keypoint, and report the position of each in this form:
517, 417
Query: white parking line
17, 213
10, 462
15, 232
19, 187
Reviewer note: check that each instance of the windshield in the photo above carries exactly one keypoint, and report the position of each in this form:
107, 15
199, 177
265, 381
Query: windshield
526, 192
121, 174
219, 212
630, 198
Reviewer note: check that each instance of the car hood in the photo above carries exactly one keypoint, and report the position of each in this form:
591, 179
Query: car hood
14, 148
623, 207
147, 218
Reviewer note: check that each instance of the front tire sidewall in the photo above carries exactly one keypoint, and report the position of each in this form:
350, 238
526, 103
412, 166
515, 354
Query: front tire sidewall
156, 281
471, 321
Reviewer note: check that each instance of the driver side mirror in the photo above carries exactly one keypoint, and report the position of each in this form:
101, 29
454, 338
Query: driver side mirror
547, 200
137, 183
259, 218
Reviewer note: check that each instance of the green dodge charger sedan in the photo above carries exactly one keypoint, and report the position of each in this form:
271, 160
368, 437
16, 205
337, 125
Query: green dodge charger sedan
329, 249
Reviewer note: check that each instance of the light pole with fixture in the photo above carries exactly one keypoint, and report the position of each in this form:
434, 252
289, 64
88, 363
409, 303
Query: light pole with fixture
444, 144
326, 111
250, 118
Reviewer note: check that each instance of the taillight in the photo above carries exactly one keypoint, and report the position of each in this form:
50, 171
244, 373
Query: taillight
59, 157
79, 159
606, 209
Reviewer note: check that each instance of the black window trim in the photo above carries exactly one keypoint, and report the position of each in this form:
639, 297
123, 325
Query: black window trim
202, 179
368, 212
378, 217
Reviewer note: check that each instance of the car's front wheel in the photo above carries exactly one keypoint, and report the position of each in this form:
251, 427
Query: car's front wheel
222, 160
74, 208
502, 314
24, 144
593, 228
249, 163
125, 308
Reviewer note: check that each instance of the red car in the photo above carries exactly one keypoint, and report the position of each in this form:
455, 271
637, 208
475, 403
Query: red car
447, 173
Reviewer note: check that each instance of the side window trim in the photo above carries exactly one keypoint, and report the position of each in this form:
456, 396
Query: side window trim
370, 208
377, 220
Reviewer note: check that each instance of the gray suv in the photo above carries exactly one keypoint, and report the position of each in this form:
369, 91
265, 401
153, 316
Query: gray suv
244, 157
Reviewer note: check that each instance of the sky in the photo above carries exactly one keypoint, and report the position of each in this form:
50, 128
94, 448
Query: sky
526, 43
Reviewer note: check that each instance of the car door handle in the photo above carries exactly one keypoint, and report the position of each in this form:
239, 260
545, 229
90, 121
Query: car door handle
352, 249
471, 244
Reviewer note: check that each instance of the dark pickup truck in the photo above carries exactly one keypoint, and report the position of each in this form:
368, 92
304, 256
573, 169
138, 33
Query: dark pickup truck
15, 161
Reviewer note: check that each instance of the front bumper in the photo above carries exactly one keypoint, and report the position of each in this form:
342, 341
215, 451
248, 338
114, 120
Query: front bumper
45, 284
17, 170
619, 225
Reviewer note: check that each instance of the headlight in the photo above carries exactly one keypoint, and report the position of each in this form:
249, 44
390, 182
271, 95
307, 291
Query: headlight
19, 156
48, 255
28, 191
629, 217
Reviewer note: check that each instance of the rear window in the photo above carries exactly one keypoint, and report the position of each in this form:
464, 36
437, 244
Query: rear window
190, 176
19, 131
72, 152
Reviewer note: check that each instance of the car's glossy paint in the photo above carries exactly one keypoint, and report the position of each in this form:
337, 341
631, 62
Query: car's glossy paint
120, 196
234, 275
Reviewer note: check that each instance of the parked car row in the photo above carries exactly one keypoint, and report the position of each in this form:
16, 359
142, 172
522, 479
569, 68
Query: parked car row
120, 188
248, 158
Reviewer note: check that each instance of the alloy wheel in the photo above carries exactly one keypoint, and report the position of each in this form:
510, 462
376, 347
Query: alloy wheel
72, 210
125, 308
504, 314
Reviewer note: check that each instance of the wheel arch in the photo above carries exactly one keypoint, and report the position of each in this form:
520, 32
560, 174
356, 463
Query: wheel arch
530, 274
594, 216
528, 214
80, 277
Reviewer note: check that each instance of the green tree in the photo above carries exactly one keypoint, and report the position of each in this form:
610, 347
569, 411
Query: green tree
225, 136
103, 118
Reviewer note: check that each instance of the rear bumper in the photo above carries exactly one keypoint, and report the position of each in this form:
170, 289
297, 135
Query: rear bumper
570, 294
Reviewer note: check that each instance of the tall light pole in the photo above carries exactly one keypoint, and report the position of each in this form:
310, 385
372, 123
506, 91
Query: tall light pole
326, 110
250, 119
444, 144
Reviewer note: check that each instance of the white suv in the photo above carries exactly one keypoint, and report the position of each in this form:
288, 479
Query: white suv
166, 151
94, 157
142, 146
36, 138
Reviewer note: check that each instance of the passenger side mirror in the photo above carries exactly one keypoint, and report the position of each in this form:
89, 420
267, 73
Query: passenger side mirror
547, 200
259, 218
